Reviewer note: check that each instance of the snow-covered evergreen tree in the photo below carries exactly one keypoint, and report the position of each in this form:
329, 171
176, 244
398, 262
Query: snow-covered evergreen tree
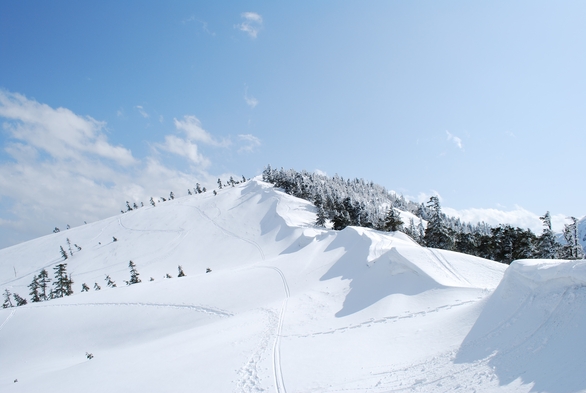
393, 221
44, 281
436, 233
62, 283
20, 301
109, 282
97, 287
134, 279
7, 299
547, 245
84, 287
63, 253
572, 249
181, 273
34, 290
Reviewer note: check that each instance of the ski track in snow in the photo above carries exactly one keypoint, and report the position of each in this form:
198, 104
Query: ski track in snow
447, 266
7, 318
202, 309
393, 318
277, 369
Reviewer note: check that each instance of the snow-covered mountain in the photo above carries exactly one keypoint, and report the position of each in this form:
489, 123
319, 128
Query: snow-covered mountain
287, 307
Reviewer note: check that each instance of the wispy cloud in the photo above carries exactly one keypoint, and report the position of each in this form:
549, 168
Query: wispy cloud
251, 25
457, 141
142, 112
195, 133
250, 143
204, 24
250, 100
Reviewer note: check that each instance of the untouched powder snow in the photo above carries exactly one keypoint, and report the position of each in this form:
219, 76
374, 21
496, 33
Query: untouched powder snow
287, 307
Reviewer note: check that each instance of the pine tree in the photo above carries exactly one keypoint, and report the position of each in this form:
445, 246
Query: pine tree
7, 301
152, 202
97, 287
84, 287
44, 280
181, 273
436, 233
34, 287
547, 246
20, 301
69, 247
63, 253
393, 221
133, 274
128, 208
219, 184
189, 192
321, 217
62, 283
110, 282
572, 249
198, 188
171, 195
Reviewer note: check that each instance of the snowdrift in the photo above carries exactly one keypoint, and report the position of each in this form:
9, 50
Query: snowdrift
287, 307
532, 327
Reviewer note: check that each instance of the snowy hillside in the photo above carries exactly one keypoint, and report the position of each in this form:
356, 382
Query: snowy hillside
287, 307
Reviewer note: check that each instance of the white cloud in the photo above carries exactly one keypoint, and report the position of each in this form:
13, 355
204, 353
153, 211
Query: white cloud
184, 148
320, 172
251, 143
142, 112
518, 217
423, 197
250, 100
457, 141
59, 168
195, 133
251, 25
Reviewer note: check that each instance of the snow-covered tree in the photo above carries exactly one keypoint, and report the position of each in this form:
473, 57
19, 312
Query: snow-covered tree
63, 253
62, 283
572, 249
44, 281
393, 221
20, 301
97, 287
7, 299
133, 274
109, 282
181, 273
547, 245
84, 287
436, 232
153, 202
34, 290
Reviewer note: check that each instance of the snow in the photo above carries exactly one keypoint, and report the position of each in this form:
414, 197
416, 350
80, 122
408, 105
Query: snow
287, 307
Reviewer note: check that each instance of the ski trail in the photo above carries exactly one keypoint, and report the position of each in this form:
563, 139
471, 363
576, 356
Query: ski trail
446, 265
7, 318
277, 369
230, 233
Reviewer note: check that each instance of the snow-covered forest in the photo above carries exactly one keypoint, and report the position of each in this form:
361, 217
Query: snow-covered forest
360, 203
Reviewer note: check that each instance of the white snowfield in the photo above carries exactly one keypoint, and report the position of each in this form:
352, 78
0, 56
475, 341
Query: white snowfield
287, 307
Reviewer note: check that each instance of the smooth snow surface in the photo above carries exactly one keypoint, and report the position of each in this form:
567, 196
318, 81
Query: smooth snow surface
287, 307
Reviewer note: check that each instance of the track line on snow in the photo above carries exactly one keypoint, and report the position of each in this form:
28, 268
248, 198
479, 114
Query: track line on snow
7, 318
207, 310
446, 265
277, 368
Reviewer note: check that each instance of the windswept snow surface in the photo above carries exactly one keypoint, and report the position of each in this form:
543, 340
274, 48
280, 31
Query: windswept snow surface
287, 307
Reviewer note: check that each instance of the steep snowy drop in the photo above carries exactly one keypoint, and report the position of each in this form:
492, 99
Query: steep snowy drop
286, 307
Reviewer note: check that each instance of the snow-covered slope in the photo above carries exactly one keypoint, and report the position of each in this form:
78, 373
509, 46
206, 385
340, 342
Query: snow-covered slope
287, 307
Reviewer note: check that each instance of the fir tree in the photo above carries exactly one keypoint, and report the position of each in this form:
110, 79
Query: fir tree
152, 202
7, 301
84, 287
128, 208
20, 301
171, 195
69, 247
547, 246
109, 282
572, 249
393, 221
189, 192
181, 273
34, 287
62, 283
63, 253
321, 217
198, 188
133, 274
43, 280
219, 184
436, 233
97, 287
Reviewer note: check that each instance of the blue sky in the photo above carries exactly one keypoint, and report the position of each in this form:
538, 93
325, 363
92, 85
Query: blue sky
480, 102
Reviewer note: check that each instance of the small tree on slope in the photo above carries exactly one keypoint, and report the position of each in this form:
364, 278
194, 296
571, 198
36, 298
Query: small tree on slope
133, 274
62, 284
436, 233
393, 221
7, 301
547, 246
